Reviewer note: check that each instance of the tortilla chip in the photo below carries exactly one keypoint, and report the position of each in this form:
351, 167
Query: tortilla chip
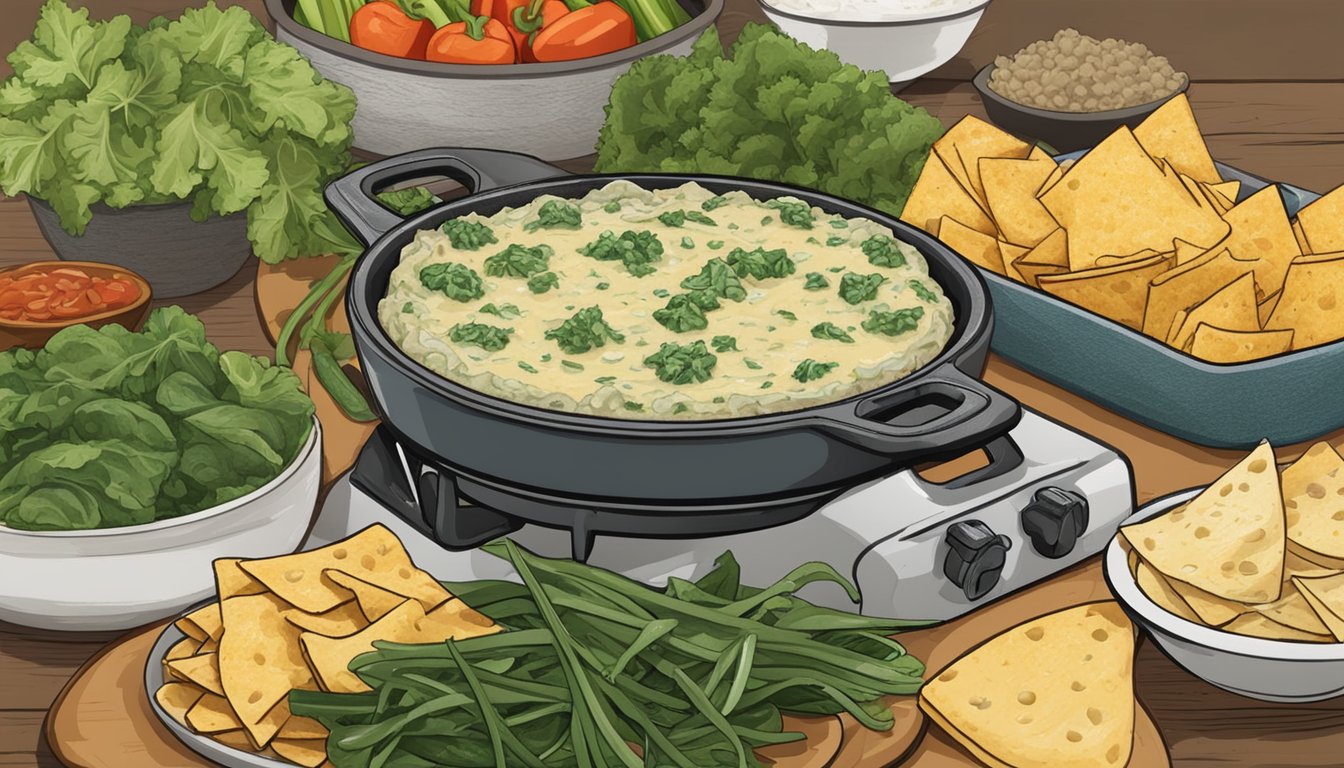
1312, 301
260, 659
980, 249
1010, 253
1219, 345
1171, 133
212, 714
1325, 595
373, 555
374, 602
1010, 192
1228, 191
182, 649
344, 619
306, 752
1211, 609
1049, 257
1116, 200
1116, 292
1227, 541
202, 670
1186, 286
300, 727
1300, 237
237, 739
971, 139
232, 581
937, 193
1322, 222
202, 624
1159, 590
177, 699
1232, 308
1292, 610
407, 623
1262, 235
1313, 499
264, 731
1187, 252
1256, 625
1191, 188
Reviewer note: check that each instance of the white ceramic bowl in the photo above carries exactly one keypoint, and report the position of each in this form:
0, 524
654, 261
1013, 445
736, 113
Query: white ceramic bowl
904, 48
548, 110
117, 578
1270, 670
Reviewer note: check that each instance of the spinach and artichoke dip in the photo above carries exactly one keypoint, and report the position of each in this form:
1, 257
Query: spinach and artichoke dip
668, 304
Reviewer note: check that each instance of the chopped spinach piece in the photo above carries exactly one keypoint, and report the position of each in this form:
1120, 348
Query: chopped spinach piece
585, 330
546, 358
700, 218
573, 366
835, 269
505, 311
838, 224
786, 314
816, 282
831, 331
468, 235
752, 364
519, 261
720, 399
856, 288
407, 308
636, 250
631, 405
760, 263
681, 408
487, 337
718, 280
811, 370
795, 214
882, 251
714, 245
767, 384
555, 214
706, 300
687, 242
543, 282
765, 220
893, 323
526, 367
604, 379
673, 218
612, 207
456, 281
724, 344
922, 292
714, 202
733, 225
603, 286
661, 293
682, 314
835, 240
682, 364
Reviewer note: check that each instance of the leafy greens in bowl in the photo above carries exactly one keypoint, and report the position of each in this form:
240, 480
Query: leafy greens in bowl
106, 428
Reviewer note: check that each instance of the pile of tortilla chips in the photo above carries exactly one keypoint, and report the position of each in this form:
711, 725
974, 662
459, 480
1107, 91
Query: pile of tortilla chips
1257, 553
1144, 231
295, 622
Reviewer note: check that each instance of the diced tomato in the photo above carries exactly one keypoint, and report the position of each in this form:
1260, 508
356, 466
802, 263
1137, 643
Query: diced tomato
63, 293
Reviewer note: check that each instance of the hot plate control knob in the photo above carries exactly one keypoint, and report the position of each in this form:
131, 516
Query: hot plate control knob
1054, 520
975, 557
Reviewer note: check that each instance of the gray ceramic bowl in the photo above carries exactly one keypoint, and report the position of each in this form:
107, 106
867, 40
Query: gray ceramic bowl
1270, 670
1287, 399
175, 255
1065, 131
552, 110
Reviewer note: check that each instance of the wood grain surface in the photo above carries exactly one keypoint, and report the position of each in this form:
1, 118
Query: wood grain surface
1268, 91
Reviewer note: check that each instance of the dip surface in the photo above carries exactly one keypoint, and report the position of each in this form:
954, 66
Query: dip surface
674, 304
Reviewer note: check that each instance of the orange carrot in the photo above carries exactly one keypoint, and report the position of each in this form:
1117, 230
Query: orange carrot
383, 27
482, 40
592, 31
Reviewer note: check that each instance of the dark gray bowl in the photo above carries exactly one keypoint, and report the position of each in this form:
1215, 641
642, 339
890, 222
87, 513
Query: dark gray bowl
177, 256
1065, 131
1287, 398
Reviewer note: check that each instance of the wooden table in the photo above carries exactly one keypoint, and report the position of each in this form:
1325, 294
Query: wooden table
1269, 93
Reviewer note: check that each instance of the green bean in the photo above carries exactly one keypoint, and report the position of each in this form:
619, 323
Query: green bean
343, 392
488, 713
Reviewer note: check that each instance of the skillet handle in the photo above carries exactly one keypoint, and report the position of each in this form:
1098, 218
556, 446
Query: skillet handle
973, 414
352, 197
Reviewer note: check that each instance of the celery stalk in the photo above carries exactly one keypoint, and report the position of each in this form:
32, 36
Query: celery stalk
312, 15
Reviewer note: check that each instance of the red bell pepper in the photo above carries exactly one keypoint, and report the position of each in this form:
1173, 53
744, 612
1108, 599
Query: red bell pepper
383, 27
482, 40
531, 19
592, 31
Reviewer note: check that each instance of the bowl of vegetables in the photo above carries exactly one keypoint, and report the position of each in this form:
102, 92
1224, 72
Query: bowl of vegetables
145, 148
526, 76
130, 461
39, 299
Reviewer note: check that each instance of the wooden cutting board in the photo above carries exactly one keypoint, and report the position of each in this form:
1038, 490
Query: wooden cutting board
103, 719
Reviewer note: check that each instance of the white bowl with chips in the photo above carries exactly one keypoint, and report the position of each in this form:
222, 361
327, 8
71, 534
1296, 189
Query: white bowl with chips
118, 578
1285, 671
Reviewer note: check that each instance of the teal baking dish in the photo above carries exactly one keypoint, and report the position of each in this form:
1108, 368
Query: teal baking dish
1287, 399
